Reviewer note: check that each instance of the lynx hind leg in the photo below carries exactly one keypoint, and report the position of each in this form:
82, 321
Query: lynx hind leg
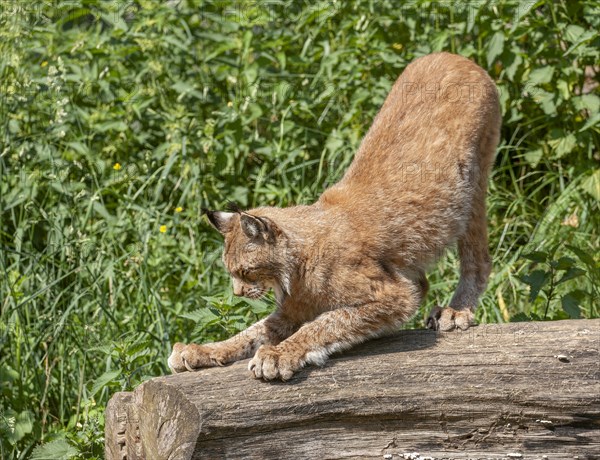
475, 267
475, 261
448, 319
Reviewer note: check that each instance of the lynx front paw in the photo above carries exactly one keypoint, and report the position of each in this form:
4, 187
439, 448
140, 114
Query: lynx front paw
193, 357
447, 319
270, 363
175, 362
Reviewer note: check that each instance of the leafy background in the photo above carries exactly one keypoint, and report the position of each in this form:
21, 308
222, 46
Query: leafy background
120, 120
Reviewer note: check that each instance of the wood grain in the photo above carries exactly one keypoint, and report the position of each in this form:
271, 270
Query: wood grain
520, 390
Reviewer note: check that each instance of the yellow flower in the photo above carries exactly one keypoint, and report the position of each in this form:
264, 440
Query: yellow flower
163, 229
397, 46
230, 104
117, 166
178, 209
44, 64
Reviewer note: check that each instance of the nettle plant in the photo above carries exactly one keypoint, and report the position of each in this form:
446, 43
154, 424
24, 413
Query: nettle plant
548, 285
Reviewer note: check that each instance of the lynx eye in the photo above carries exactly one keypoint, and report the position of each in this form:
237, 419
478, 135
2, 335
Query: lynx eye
247, 272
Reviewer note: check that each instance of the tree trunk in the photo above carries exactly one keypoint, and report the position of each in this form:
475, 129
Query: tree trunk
519, 390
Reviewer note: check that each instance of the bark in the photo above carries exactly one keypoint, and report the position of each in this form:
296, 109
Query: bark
520, 390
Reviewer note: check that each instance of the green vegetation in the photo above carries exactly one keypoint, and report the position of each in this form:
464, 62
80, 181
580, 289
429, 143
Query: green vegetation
120, 120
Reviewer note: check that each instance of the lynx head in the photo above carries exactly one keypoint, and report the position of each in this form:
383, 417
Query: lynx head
254, 254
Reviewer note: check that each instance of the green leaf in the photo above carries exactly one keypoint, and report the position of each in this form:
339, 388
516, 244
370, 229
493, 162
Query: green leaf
334, 142
547, 100
572, 33
563, 263
238, 323
257, 306
240, 195
577, 35
182, 87
504, 93
79, 147
519, 318
515, 63
536, 256
54, 450
254, 111
589, 102
111, 125
586, 258
541, 75
105, 349
203, 316
536, 281
438, 42
563, 89
15, 427
13, 126
102, 211
559, 315
533, 157
563, 145
7, 375
495, 47
103, 381
571, 273
592, 184
522, 10
592, 121
213, 299
570, 303
142, 347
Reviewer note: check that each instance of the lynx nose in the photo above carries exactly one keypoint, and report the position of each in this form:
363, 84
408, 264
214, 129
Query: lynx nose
238, 288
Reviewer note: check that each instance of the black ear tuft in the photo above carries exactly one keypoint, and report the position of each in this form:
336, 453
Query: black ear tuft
233, 207
222, 221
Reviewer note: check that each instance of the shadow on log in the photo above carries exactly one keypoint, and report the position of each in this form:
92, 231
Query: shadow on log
519, 390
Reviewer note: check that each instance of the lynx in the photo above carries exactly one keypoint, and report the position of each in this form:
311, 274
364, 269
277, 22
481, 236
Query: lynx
351, 267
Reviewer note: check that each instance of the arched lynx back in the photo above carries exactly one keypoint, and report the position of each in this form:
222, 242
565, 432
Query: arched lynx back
351, 266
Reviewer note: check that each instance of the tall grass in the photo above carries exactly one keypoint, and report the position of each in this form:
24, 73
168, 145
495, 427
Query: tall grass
119, 121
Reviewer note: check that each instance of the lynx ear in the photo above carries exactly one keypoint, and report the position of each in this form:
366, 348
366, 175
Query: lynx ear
259, 228
222, 221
